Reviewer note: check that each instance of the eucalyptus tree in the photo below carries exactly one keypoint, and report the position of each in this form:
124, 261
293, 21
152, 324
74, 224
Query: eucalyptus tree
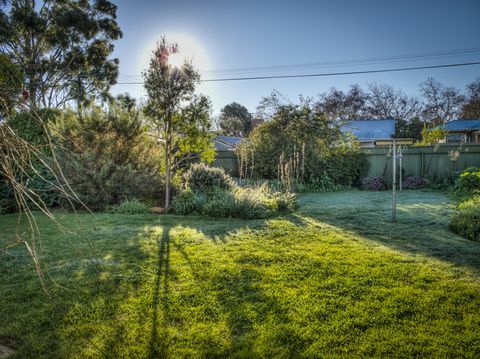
63, 48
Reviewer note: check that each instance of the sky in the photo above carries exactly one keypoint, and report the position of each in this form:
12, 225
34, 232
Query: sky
231, 35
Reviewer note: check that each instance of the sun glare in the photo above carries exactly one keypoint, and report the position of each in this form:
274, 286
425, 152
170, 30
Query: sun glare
189, 49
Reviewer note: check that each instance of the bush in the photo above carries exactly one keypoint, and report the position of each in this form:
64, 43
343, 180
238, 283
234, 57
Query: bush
184, 203
469, 181
321, 184
439, 183
201, 178
129, 207
108, 157
246, 203
284, 202
374, 183
312, 145
466, 219
220, 204
414, 182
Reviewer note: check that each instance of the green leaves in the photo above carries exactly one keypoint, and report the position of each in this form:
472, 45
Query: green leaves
235, 120
63, 48
180, 118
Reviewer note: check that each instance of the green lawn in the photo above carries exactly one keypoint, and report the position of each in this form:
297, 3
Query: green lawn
334, 279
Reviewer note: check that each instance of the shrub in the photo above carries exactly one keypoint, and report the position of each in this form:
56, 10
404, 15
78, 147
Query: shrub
321, 184
311, 144
108, 157
469, 181
414, 182
466, 219
374, 183
129, 207
201, 178
246, 203
285, 202
439, 183
184, 203
220, 204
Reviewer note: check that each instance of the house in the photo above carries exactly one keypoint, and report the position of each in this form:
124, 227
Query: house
462, 131
226, 143
369, 131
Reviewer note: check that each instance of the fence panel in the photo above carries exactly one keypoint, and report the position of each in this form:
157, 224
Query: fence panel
440, 161
425, 161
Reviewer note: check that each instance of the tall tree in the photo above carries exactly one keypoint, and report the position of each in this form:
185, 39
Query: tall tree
471, 108
11, 84
235, 120
384, 101
441, 103
62, 46
340, 106
180, 118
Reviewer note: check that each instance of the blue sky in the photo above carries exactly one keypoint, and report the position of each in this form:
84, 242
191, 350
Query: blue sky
245, 34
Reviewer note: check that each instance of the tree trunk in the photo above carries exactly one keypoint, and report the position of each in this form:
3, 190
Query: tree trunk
167, 168
167, 183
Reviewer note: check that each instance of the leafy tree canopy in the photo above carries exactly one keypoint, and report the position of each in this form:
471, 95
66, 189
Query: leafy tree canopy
235, 120
11, 84
63, 47
471, 108
179, 117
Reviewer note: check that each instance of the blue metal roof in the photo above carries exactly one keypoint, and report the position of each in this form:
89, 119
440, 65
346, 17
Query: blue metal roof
229, 139
462, 125
369, 130
225, 143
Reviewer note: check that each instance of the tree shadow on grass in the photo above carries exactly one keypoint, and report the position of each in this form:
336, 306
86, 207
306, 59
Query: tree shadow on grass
158, 346
131, 257
421, 228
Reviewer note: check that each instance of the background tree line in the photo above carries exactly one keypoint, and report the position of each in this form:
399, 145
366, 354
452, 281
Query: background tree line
436, 105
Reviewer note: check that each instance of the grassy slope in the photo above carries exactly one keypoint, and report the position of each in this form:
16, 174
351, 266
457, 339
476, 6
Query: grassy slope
334, 279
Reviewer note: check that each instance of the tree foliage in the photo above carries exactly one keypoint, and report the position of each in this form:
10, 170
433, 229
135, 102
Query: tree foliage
108, 156
471, 108
341, 106
431, 136
179, 117
235, 120
303, 134
63, 47
11, 85
441, 103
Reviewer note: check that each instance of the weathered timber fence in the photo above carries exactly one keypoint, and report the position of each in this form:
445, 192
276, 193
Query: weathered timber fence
424, 161
440, 161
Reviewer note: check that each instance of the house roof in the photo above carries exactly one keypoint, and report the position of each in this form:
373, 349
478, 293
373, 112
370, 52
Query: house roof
369, 130
226, 143
462, 125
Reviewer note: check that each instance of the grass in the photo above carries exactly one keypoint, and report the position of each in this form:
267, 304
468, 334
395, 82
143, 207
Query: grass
335, 279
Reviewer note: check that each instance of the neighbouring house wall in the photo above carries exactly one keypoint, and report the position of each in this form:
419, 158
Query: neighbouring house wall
226, 160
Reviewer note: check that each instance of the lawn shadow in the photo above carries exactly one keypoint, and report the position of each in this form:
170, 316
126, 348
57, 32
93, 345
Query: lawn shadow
158, 345
421, 227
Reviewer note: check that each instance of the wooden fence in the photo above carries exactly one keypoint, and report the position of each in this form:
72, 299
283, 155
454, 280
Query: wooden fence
439, 161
